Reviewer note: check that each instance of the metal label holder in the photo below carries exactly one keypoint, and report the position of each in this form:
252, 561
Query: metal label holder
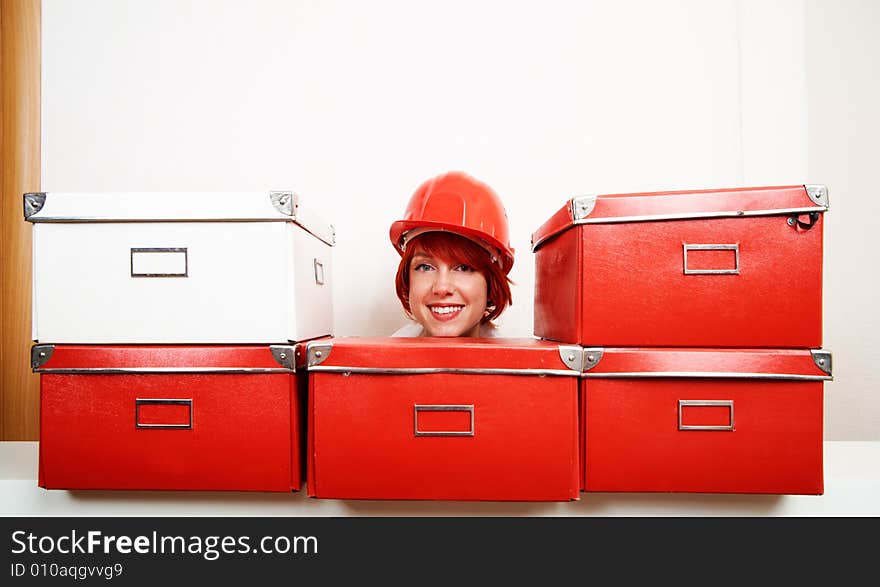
442, 408
164, 402
734, 248
158, 250
725, 403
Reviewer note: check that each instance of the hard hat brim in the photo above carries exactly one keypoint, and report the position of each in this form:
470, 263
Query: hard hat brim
400, 228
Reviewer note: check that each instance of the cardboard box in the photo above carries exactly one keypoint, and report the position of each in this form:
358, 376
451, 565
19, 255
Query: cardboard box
452, 419
703, 420
183, 268
169, 417
712, 268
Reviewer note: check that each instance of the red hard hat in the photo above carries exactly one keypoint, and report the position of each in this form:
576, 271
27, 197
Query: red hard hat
456, 202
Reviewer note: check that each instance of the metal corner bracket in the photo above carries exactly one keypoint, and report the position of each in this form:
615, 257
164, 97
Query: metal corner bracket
33, 203
592, 356
317, 352
40, 355
582, 206
822, 358
573, 357
285, 202
284, 356
818, 193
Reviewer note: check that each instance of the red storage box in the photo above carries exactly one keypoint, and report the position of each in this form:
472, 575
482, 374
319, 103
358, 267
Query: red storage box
714, 268
701, 420
169, 417
457, 419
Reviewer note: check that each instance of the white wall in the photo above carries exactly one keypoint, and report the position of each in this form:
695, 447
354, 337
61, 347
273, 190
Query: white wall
843, 57
354, 104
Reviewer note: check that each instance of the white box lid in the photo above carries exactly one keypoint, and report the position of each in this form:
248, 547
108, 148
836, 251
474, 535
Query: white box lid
76, 207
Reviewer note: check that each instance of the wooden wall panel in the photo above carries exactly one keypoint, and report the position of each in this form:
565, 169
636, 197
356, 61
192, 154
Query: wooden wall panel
20, 30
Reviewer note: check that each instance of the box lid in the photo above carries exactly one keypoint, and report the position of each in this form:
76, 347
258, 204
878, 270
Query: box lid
682, 205
272, 206
414, 356
122, 359
794, 364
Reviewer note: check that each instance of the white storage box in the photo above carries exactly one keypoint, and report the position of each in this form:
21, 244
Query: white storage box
179, 267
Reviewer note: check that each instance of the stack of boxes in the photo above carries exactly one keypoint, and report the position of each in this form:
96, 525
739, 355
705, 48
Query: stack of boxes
678, 349
700, 318
167, 330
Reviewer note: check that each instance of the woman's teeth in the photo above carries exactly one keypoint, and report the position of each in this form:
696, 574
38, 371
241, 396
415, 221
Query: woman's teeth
445, 309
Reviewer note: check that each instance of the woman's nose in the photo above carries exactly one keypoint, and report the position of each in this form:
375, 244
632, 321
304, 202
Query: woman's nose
443, 284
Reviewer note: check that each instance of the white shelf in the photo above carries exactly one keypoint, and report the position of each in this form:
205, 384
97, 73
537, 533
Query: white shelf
852, 488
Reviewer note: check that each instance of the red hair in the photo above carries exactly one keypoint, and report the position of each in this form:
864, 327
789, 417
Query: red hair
454, 249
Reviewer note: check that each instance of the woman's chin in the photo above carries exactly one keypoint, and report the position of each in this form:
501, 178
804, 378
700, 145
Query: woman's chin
450, 330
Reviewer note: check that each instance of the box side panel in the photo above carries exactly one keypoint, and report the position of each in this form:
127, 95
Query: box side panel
239, 438
558, 288
297, 429
41, 477
582, 436
35, 319
818, 301
576, 451
312, 282
161, 282
753, 282
311, 480
633, 440
290, 309
381, 437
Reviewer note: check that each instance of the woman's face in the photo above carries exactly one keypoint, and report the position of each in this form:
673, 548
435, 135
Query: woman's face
447, 299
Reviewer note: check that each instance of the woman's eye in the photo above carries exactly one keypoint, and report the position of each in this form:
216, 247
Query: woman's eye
463, 267
422, 267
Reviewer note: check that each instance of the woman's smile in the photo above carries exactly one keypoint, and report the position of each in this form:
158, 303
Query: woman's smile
446, 312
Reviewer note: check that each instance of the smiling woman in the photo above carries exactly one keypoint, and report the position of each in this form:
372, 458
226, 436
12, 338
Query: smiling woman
455, 256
